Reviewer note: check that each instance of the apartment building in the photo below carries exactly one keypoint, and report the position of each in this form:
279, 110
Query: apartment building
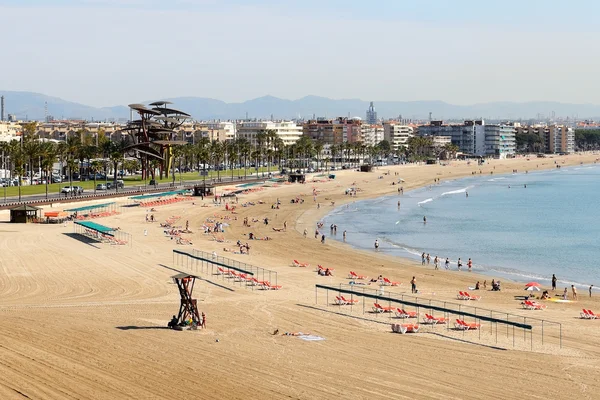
397, 134
334, 131
461, 135
9, 131
288, 131
371, 135
499, 141
554, 138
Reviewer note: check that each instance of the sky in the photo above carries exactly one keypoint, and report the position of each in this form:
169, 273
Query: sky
116, 52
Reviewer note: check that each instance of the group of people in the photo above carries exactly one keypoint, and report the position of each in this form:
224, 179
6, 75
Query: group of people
426, 259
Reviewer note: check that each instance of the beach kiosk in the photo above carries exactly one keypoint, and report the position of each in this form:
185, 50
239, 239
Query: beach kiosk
24, 213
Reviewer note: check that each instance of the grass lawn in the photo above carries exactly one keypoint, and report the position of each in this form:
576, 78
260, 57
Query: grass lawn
132, 180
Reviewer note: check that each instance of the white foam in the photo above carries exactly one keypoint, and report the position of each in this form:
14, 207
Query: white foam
424, 202
463, 190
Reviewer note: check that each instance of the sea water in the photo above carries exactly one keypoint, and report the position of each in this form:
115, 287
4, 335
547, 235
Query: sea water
521, 226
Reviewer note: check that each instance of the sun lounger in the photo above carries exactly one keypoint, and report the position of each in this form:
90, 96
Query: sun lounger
467, 296
405, 328
349, 301
400, 313
354, 275
532, 305
592, 315
320, 267
266, 285
465, 326
339, 301
430, 319
379, 309
295, 263
387, 282
586, 315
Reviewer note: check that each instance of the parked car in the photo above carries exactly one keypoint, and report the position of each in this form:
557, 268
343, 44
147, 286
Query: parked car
78, 189
101, 186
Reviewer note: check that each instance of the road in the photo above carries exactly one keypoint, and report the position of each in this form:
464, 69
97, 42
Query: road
132, 190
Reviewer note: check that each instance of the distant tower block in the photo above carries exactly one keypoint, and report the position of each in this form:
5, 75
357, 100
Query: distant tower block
371, 115
430, 116
2, 108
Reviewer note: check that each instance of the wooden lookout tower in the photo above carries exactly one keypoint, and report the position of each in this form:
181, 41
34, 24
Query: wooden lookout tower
188, 308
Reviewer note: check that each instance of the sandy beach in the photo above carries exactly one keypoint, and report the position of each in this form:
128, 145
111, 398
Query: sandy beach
88, 320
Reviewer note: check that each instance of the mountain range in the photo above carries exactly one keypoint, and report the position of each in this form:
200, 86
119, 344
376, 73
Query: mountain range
28, 105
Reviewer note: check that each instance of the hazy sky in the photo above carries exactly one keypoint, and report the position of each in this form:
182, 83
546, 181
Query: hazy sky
110, 52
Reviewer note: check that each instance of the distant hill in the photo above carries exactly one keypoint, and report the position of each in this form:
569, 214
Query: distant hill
31, 105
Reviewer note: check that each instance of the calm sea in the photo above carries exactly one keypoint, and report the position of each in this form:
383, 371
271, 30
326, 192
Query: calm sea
521, 226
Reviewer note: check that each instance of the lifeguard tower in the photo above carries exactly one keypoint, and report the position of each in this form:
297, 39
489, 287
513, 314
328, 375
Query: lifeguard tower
188, 308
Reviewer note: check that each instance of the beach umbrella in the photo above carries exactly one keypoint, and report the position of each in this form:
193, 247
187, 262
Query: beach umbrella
533, 286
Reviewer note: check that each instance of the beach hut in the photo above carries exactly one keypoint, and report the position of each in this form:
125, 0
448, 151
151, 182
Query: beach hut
24, 213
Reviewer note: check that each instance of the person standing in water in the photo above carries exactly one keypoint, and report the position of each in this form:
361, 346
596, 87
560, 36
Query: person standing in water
554, 282
467, 194
459, 263
469, 264
424, 219
376, 244
436, 262
447, 263
398, 204
423, 258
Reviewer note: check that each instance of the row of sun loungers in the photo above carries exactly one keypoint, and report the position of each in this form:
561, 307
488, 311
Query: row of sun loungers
82, 217
250, 280
354, 275
467, 296
164, 202
589, 314
103, 237
465, 326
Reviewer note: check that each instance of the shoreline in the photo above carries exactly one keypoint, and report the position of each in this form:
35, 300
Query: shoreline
507, 273
572, 161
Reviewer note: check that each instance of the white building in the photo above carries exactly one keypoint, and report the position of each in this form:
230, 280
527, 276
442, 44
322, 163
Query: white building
8, 131
288, 131
371, 135
396, 134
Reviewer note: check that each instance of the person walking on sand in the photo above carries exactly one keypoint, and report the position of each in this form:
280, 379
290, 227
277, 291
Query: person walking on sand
447, 263
376, 244
565, 294
436, 262
428, 258
323, 239
574, 290
459, 263
469, 264
554, 282
591, 286
305, 232
413, 285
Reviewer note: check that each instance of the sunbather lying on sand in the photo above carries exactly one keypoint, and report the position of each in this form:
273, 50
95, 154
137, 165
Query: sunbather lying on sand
291, 333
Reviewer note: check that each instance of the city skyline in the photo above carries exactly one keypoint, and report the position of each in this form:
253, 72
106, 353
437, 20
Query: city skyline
103, 52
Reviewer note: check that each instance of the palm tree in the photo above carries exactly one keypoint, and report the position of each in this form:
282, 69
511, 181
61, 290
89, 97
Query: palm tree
261, 138
201, 149
217, 151
318, 146
48, 152
244, 150
95, 167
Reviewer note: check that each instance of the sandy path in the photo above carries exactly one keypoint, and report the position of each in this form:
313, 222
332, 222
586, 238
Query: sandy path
82, 321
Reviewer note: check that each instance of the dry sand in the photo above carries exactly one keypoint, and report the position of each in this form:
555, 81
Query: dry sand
86, 321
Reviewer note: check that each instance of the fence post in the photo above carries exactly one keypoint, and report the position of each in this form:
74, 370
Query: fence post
542, 332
